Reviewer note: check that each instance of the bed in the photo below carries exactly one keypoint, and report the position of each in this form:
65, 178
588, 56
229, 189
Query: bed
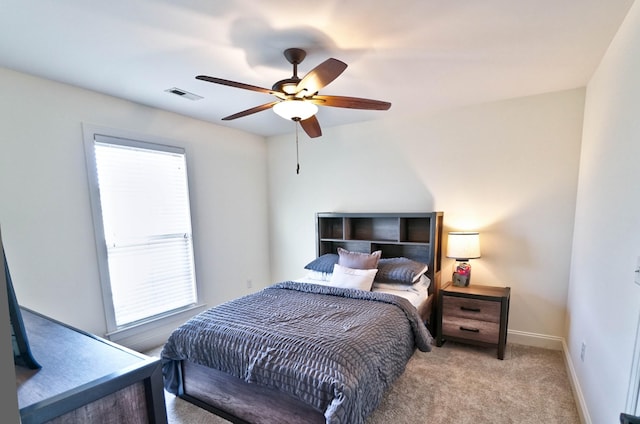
322, 347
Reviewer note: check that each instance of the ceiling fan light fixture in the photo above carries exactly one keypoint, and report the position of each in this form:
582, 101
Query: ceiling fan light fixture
297, 98
295, 109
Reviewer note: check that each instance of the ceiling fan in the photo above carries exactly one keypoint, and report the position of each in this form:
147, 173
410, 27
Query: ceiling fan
297, 99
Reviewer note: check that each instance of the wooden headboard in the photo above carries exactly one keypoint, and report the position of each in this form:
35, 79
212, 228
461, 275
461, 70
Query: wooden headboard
417, 236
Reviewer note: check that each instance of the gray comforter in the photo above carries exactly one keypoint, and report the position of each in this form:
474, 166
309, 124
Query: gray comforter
336, 349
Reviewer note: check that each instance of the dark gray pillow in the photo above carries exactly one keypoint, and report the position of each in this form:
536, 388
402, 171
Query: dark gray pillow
323, 263
400, 270
358, 260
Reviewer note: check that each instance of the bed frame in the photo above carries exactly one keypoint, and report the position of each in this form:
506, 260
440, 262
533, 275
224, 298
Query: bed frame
417, 236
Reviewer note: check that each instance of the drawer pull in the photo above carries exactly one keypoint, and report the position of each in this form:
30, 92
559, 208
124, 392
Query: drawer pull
468, 309
471, 330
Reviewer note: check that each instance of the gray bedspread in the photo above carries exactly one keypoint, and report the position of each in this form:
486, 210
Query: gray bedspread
335, 349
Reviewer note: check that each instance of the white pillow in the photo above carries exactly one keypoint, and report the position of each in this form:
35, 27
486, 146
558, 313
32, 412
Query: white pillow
317, 275
351, 278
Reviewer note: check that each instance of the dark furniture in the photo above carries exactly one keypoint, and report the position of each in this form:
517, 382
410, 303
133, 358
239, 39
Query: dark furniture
21, 351
417, 236
86, 379
629, 419
474, 314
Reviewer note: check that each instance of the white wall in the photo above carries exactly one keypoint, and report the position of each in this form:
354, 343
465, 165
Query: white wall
44, 199
508, 169
604, 302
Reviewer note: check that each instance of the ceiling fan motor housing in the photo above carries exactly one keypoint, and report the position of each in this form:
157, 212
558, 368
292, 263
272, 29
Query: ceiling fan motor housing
287, 86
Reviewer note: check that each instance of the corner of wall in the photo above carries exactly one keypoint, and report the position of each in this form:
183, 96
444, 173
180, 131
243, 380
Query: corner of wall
556, 343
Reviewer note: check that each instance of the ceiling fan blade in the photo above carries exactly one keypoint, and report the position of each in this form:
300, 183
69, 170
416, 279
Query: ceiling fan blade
311, 126
350, 102
249, 111
319, 77
237, 85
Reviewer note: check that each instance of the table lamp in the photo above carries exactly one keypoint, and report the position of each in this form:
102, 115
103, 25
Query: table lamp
462, 246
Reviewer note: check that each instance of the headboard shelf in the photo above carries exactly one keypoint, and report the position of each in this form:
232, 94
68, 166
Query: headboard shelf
417, 236
408, 227
331, 228
415, 230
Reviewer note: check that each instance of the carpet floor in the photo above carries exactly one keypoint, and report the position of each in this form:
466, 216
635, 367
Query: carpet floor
460, 384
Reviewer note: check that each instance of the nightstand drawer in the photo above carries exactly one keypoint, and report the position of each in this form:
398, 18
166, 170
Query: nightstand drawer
473, 309
470, 329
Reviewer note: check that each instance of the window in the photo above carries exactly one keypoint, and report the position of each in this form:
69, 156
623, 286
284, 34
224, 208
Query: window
140, 201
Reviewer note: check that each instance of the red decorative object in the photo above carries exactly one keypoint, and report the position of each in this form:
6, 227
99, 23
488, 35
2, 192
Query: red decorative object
463, 268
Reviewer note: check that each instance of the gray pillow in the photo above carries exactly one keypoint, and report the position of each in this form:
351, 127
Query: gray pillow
400, 270
323, 263
358, 260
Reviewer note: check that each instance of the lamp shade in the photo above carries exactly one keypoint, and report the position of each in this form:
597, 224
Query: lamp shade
463, 245
295, 109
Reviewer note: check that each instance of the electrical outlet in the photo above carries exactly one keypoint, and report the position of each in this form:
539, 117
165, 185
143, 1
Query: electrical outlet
583, 350
636, 278
249, 283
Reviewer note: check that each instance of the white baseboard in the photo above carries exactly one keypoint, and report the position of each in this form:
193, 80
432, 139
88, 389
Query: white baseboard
575, 386
536, 340
555, 343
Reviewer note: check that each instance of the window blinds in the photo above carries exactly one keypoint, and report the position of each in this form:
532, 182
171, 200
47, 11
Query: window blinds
144, 201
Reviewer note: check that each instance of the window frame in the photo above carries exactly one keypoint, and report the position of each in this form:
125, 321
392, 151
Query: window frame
115, 332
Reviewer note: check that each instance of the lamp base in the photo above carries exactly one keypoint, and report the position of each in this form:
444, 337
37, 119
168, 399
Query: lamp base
460, 280
462, 275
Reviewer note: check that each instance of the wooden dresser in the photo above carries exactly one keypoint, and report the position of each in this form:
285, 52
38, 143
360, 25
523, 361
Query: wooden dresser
86, 379
474, 314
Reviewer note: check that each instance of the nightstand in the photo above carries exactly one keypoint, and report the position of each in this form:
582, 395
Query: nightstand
474, 314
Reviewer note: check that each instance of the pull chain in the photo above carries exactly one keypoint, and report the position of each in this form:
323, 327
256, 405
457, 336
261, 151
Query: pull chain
297, 154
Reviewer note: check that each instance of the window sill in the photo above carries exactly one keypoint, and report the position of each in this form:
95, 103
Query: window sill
165, 322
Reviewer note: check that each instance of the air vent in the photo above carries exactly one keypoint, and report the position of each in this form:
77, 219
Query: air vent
183, 93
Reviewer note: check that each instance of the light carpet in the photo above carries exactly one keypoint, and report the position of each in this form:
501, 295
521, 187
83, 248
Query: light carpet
459, 384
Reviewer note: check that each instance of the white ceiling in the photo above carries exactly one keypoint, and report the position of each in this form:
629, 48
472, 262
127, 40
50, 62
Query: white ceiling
420, 55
